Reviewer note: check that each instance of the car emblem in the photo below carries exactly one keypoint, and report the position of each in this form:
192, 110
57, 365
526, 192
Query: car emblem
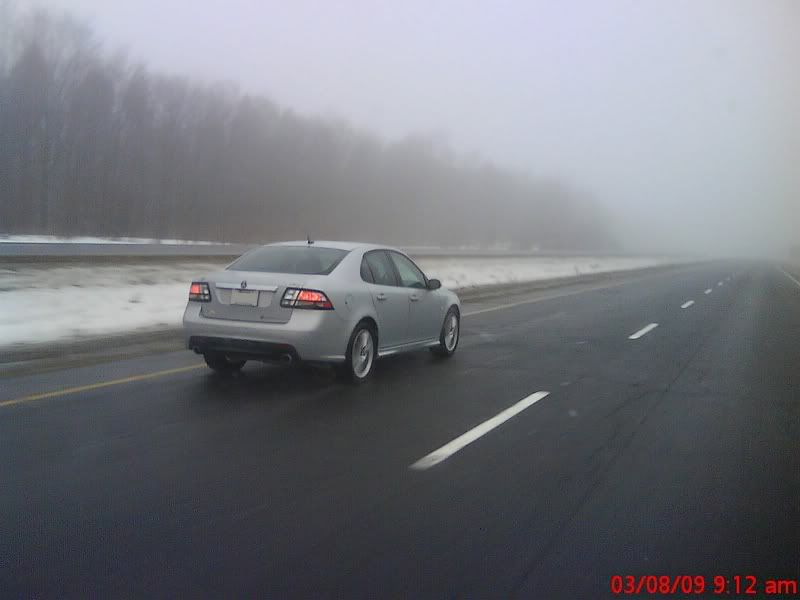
244, 285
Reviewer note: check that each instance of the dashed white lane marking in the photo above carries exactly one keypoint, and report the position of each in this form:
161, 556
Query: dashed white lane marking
687, 304
790, 276
446, 451
708, 291
719, 283
643, 331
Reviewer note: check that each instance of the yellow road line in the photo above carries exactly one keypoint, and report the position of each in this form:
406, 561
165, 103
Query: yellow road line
95, 386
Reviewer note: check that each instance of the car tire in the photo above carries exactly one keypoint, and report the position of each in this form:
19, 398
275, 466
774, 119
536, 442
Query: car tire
362, 350
222, 364
450, 334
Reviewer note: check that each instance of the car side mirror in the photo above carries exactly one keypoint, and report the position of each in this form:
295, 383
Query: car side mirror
434, 284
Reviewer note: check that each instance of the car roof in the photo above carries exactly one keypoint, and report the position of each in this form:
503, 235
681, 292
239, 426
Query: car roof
348, 246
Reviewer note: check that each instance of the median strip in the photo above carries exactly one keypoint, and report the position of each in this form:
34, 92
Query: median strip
446, 451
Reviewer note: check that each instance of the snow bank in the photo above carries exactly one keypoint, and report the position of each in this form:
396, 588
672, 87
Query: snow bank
48, 304
42, 304
460, 273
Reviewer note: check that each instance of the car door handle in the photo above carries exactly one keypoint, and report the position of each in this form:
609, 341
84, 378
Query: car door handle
380, 297
413, 297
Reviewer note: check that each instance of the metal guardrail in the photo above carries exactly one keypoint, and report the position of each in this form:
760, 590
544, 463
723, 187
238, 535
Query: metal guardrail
67, 250
38, 251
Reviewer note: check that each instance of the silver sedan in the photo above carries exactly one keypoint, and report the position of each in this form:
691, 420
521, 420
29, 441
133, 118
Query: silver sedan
333, 302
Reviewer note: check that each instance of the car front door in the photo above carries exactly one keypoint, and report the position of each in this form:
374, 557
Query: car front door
390, 300
425, 321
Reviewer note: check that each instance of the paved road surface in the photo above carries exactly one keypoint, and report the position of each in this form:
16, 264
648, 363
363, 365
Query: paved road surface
677, 452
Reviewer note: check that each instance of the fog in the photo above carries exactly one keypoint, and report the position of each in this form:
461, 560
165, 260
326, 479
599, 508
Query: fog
680, 118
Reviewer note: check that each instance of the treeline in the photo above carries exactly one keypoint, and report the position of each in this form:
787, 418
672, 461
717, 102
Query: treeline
93, 144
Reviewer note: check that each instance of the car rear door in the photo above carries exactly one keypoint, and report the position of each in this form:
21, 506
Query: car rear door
425, 318
390, 300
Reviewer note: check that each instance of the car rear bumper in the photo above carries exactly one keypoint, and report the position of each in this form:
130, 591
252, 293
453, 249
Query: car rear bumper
309, 335
242, 348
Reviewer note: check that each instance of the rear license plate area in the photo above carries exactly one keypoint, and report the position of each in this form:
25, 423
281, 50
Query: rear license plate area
244, 297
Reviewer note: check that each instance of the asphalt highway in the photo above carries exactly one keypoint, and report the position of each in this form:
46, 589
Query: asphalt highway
638, 426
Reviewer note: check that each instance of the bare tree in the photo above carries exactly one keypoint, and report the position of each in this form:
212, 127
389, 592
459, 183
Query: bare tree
93, 144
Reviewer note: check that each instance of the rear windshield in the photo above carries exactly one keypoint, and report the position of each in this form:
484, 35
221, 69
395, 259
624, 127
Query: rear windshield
302, 260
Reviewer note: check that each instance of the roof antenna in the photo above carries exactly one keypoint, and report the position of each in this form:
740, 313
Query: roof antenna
310, 241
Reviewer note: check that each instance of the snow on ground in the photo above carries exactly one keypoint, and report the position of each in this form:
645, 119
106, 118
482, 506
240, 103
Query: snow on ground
49, 304
40, 304
460, 273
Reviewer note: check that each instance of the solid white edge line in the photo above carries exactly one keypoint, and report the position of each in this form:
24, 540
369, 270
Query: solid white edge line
708, 291
446, 451
687, 304
790, 276
643, 331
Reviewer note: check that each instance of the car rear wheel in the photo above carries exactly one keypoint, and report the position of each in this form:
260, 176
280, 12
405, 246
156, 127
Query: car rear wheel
222, 364
362, 349
451, 331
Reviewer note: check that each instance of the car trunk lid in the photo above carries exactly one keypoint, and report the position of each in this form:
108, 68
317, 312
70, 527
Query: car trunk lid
249, 296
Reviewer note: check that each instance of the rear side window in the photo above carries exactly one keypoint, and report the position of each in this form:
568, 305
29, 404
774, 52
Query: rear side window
366, 274
300, 260
381, 267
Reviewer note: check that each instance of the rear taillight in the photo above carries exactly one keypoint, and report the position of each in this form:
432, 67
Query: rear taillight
199, 292
298, 298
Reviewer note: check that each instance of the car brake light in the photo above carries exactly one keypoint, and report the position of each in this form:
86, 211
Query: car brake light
298, 298
199, 292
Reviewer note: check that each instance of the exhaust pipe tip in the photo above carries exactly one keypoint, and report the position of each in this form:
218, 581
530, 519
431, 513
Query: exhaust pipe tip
286, 359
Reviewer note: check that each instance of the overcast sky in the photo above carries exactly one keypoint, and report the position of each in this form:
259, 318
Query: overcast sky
680, 115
